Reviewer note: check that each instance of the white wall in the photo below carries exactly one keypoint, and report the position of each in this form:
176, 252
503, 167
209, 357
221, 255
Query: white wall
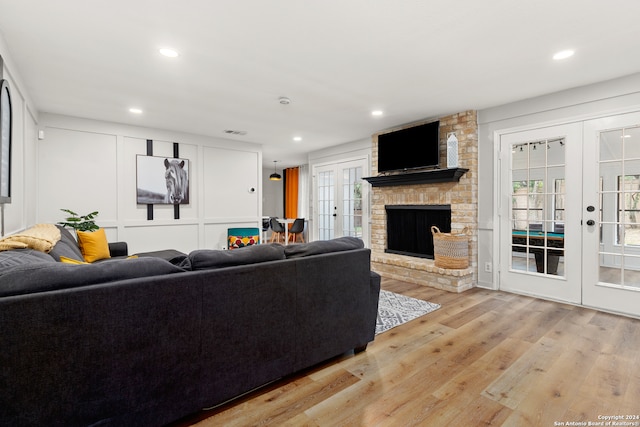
597, 100
351, 150
272, 194
20, 213
87, 165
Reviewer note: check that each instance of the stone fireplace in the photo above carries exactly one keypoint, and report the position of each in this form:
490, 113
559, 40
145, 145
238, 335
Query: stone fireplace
456, 189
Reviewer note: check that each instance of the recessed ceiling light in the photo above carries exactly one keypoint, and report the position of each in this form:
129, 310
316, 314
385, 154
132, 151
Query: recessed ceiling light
563, 54
135, 110
168, 52
376, 113
297, 138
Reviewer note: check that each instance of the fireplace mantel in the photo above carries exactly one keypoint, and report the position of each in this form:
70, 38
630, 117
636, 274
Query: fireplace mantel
424, 177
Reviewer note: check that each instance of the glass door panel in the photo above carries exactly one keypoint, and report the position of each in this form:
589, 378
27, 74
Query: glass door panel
326, 204
619, 165
352, 201
537, 208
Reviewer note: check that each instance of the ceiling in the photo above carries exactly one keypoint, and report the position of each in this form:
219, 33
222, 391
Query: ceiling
336, 60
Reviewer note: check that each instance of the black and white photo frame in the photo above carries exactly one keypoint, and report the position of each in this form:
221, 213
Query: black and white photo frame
162, 180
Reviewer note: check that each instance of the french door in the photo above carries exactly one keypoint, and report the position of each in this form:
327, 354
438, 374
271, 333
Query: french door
570, 213
540, 214
612, 235
340, 200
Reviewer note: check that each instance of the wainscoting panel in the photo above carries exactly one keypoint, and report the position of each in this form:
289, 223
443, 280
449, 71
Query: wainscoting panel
228, 177
158, 237
77, 170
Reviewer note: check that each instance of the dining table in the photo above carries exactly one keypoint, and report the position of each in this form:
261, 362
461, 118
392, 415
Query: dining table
286, 222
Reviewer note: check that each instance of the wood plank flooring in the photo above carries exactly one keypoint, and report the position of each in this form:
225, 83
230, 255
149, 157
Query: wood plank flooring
485, 358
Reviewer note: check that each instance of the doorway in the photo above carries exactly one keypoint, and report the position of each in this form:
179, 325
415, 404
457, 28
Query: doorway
341, 201
569, 213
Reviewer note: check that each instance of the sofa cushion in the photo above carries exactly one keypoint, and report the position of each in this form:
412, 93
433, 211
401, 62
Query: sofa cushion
203, 259
42, 276
173, 256
323, 246
93, 245
66, 246
19, 257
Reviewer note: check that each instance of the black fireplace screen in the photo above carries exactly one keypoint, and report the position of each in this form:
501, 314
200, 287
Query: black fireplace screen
409, 228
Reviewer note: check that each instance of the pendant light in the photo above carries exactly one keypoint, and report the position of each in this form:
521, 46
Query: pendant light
275, 176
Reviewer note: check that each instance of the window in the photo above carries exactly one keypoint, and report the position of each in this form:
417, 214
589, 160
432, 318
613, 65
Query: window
628, 210
558, 206
352, 202
527, 204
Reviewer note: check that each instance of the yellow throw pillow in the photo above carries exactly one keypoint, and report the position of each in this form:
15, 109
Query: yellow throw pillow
93, 245
66, 260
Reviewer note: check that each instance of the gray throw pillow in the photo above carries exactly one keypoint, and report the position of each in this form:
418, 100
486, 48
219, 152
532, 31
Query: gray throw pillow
66, 246
323, 246
204, 259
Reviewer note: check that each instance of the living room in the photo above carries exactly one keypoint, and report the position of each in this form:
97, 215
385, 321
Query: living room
80, 152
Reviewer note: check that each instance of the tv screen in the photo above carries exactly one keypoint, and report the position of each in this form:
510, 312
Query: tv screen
411, 148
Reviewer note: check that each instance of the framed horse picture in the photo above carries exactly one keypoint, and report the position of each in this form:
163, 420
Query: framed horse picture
162, 180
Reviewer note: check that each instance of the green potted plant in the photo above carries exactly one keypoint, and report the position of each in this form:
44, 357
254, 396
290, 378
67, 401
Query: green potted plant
80, 222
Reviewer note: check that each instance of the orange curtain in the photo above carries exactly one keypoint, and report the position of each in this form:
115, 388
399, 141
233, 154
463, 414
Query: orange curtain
291, 192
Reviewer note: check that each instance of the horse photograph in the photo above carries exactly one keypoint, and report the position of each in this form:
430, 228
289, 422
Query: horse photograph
162, 180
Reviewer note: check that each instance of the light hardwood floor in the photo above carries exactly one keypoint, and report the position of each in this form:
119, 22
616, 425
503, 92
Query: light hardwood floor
484, 358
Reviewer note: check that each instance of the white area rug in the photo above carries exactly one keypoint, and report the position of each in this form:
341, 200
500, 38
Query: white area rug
395, 309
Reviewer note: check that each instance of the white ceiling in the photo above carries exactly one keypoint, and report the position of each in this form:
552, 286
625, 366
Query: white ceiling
337, 60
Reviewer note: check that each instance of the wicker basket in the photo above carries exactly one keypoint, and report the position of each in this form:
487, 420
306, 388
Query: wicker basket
450, 250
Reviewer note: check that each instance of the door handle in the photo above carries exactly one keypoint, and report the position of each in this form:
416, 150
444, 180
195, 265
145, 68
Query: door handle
591, 222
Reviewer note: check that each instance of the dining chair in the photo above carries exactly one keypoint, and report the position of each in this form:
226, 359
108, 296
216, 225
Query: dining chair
296, 230
277, 230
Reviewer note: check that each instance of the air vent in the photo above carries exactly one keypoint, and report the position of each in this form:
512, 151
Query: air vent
235, 132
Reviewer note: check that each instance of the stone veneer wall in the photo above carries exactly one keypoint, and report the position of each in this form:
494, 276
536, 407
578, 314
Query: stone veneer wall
462, 196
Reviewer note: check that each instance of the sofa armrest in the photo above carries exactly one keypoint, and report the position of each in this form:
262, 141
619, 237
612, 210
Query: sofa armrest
374, 288
118, 249
374, 283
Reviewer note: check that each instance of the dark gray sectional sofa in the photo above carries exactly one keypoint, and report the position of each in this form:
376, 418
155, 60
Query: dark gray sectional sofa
144, 342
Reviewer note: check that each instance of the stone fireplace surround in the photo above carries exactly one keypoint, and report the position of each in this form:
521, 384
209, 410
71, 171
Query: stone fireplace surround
462, 195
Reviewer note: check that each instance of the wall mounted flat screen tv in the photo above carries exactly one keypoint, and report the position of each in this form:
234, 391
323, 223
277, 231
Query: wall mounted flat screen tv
411, 148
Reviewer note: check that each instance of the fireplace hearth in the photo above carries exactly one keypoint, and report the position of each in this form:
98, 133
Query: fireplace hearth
409, 228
